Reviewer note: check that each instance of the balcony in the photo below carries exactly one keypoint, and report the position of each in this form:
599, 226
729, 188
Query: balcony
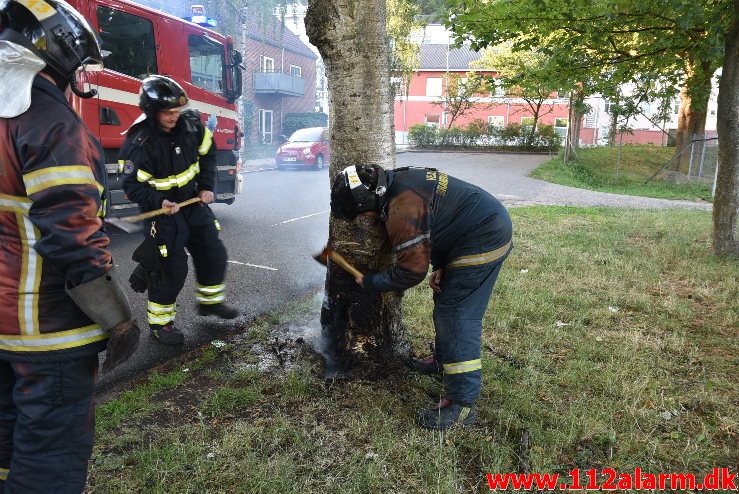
278, 84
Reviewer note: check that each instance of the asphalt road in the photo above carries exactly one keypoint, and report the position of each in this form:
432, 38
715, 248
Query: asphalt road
281, 220
271, 232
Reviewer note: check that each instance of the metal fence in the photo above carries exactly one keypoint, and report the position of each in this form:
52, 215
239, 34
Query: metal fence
701, 153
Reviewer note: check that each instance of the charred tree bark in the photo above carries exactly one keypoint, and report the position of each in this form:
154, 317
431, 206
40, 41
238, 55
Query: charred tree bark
691, 120
726, 202
351, 37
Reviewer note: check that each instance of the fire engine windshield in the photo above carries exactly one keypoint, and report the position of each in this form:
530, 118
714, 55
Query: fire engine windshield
206, 63
128, 42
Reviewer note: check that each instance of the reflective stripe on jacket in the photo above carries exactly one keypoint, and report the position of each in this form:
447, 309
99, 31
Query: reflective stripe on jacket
52, 189
172, 165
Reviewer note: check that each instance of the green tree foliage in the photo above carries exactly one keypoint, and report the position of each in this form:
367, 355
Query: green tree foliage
405, 54
657, 46
652, 39
461, 95
526, 74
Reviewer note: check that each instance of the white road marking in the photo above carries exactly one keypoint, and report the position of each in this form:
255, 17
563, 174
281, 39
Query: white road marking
301, 218
253, 265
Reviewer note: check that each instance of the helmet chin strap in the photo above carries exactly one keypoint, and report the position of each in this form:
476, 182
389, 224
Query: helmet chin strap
82, 94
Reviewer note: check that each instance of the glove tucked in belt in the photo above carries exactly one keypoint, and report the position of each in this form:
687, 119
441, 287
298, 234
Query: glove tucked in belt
104, 301
149, 270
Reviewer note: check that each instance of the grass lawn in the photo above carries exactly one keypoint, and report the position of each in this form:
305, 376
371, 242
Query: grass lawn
598, 169
611, 342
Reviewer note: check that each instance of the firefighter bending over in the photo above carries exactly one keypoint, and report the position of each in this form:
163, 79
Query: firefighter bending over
169, 157
465, 234
60, 299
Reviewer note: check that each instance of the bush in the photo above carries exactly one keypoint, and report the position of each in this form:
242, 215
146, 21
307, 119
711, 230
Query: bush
476, 130
546, 137
478, 133
453, 137
512, 135
422, 135
297, 121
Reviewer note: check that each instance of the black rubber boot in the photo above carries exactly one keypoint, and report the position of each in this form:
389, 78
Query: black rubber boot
167, 334
447, 413
223, 310
427, 365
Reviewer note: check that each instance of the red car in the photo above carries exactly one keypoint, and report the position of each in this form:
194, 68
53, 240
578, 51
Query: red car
306, 147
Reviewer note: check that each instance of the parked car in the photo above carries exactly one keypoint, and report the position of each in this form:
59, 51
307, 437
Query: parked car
306, 147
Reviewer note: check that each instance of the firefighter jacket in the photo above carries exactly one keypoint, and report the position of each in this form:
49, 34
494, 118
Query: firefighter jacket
432, 218
172, 165
52, 185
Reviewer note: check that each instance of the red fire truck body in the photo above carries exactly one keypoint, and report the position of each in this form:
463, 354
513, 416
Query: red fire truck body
138, 41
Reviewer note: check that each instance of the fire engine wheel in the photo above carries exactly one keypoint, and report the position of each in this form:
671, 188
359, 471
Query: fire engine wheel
319, 162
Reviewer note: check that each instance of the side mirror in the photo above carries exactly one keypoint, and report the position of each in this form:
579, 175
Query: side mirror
281, 139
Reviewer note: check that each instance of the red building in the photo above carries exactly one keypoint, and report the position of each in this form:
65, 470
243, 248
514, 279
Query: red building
421, 104
280, 78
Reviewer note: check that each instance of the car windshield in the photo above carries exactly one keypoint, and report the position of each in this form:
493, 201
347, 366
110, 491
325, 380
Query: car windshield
306, 135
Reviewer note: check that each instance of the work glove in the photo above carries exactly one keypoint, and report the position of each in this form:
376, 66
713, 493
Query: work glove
149, 270
139, 279
123, 340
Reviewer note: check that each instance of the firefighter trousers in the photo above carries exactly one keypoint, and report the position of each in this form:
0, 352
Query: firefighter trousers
458, 312
47, 425
196, 229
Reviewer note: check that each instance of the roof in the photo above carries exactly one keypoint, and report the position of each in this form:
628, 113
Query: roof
434, 57
273, 32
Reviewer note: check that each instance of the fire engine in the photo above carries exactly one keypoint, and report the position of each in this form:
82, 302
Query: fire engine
138, 41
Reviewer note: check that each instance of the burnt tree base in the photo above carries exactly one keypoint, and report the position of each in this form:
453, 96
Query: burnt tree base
359, 336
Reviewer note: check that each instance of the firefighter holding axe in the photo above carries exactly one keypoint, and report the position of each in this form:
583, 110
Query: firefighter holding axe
169, 163
465, 234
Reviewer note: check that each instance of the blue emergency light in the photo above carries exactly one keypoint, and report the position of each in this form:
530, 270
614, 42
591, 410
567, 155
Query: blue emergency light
202, 20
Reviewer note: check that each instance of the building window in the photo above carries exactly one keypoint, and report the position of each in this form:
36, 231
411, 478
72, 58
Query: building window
496, 121
433, 86
296, 71
206, 63
265, 126
267, 64
560, 127
433, 119
527, 122
129, 41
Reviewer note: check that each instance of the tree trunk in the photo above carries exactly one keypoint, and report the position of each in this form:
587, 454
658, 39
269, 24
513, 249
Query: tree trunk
572, 143
351, 37
691, 120
614, 121
726, 202
577, 116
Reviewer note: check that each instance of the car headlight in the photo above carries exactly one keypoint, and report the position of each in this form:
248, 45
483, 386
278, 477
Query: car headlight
306, 152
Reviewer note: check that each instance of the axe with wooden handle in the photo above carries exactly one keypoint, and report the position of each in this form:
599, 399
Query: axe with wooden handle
329, 252
128, 223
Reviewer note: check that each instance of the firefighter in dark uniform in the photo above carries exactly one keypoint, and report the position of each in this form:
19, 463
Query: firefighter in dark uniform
60, 299
465, 234
169, 157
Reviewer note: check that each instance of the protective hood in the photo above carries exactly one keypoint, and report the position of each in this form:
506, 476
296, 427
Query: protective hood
18, 68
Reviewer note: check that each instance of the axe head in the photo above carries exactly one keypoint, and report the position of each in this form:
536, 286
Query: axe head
323, 256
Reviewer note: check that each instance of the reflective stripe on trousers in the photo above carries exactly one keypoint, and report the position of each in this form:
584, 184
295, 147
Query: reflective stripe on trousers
458, 313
